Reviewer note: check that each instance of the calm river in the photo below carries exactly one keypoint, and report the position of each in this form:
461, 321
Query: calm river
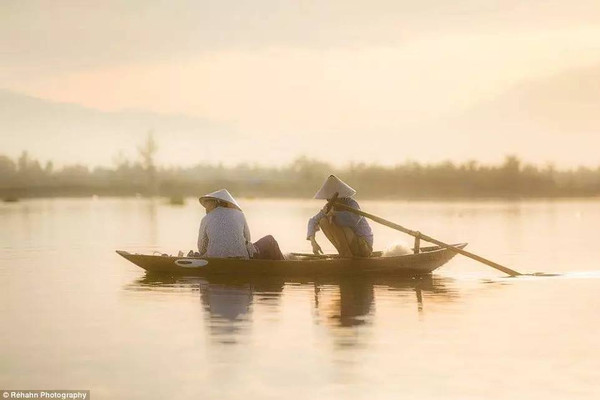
75, 315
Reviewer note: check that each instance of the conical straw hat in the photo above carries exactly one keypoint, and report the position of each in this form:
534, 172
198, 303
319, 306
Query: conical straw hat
334, 184
222, 195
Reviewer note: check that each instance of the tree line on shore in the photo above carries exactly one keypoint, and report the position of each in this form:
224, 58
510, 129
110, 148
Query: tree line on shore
27, 177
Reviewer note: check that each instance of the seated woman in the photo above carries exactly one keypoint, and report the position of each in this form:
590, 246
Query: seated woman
349, 233
224, 231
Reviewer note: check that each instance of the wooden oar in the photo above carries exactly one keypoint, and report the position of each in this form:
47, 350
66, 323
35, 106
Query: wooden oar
400, 228
311, 255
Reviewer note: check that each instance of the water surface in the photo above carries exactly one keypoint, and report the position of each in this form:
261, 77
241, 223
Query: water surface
77, 316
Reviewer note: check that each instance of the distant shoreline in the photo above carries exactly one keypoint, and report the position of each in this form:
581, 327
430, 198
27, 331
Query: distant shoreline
27, 178
9, 195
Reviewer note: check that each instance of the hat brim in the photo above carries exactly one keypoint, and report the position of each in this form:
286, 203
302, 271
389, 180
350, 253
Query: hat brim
205, 198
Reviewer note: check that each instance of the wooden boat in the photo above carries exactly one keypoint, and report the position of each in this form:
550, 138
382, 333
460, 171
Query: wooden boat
424, 262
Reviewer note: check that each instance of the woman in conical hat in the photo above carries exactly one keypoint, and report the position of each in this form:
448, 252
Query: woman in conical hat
220, 196
349, 233
224, 231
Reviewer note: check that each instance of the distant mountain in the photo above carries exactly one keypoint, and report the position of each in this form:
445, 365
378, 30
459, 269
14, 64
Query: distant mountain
70, 133
565, 103
553, 119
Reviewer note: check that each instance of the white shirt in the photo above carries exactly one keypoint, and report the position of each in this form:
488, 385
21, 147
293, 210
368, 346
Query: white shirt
224, 233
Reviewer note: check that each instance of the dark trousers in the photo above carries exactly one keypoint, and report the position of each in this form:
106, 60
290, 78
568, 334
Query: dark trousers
268, 249
347, 243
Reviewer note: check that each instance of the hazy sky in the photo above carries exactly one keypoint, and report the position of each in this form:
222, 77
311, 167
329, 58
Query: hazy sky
344, 80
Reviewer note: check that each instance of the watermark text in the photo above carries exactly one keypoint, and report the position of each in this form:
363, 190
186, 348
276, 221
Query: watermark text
45, 394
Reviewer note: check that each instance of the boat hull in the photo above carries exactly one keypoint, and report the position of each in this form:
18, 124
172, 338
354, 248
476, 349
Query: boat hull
425, 262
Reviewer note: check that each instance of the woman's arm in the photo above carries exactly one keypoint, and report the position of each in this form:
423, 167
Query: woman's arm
202, 238
249, 245
313, 224
247, 232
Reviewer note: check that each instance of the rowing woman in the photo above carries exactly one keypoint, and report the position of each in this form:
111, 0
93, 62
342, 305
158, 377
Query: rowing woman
224, 232
349, 233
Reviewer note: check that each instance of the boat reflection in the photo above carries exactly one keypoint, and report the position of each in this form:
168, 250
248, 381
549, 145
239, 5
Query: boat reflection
349, 298
339, 303
227, 301
227, 309
351, 302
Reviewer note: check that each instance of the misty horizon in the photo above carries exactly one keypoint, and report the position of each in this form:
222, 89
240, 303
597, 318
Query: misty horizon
221, 81
132, 158
119, 132
27, 177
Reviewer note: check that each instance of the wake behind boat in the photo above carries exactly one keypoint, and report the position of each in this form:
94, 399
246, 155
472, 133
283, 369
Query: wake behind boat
424, 262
